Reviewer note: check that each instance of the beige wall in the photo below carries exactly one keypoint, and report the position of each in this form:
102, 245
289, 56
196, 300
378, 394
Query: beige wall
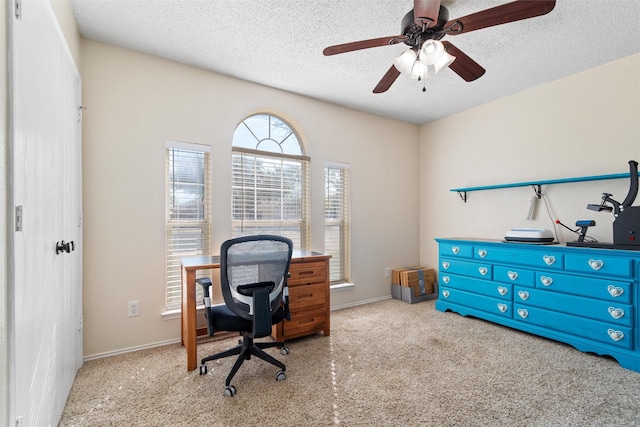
586, 124
135, 102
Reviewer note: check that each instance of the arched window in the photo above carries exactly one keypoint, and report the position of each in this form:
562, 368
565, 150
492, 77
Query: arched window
270, 180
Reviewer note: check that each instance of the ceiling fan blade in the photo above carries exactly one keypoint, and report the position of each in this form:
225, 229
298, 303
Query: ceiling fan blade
387, 80
426, 12
362, 44
463, 66
510, 12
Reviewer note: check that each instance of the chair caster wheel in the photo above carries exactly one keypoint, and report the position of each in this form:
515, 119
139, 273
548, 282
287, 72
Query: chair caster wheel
281, 376
284, 351
230, 391
203, 369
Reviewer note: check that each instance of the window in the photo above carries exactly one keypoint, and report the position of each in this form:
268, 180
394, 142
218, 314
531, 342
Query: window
188, 211
270, 180
336, 220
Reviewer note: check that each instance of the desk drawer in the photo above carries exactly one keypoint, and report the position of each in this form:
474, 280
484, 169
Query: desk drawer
307, 272
305, 296
304, 322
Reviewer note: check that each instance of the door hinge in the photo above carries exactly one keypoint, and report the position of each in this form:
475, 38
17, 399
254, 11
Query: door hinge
19, 218
80, 108
18, 9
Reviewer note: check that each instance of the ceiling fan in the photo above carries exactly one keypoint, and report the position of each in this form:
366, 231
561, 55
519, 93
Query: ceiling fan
427, 23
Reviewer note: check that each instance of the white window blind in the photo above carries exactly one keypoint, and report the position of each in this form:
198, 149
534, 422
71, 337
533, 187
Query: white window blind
270, 196
337, 236
270, 180
188, 202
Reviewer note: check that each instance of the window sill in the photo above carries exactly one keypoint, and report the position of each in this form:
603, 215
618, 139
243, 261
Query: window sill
338, 287
176, 313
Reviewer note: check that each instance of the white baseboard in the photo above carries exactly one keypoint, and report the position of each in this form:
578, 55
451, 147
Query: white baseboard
130, 349
355, 304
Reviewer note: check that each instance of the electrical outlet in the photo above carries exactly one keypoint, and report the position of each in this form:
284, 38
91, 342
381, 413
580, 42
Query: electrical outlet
134, 308
387, 272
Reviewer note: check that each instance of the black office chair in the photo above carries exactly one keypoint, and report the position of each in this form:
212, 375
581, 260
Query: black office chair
253, 275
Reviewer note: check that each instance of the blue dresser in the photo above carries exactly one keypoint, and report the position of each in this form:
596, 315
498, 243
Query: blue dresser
585, 297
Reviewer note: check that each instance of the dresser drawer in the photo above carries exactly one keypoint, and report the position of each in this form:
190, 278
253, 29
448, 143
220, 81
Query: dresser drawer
514, 275
477, 302
513, 254
456, 250
606, 311
466, 268
600, 265
307, 272
615, 335
618, 291
307, 296
478, 286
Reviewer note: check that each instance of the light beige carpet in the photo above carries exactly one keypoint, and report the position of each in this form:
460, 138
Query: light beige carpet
385, 364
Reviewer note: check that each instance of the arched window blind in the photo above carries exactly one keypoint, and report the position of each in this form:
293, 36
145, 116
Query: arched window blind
270, 180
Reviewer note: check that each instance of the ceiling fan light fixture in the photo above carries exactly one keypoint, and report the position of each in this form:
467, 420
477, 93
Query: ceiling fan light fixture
420, 71
444, 61
404, 62
431, 51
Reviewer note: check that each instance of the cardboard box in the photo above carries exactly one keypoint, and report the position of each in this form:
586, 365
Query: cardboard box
395, 275
420, 279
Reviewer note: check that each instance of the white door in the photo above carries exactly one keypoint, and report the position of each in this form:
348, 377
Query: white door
46, 317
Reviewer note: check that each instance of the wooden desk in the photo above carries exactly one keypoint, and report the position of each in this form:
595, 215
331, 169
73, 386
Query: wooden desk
308, 294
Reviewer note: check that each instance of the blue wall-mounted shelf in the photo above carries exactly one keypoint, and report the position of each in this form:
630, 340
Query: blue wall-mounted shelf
537, 184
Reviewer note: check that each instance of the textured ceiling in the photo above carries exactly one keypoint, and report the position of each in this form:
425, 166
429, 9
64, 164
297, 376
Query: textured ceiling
279, 43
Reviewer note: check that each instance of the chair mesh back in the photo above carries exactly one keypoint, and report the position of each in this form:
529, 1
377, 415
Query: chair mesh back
254, 259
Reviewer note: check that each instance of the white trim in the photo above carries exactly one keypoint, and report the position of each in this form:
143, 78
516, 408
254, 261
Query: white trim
342, 287
131, 349
187, 146
337, 165
355, 304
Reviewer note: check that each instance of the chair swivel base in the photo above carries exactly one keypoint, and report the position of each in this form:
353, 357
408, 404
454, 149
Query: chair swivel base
244, 351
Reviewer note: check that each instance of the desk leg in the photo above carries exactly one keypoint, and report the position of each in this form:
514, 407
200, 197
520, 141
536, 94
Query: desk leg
188, 317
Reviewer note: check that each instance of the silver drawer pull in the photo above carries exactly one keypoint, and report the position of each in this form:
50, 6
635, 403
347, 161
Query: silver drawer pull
596, 264
455, 250
482, 270
502, 290
549, 259
445, 293
445, 265
615, 291
547, 281
522, 312
482, 253
513, 275
503, 307
616, 313
446, 279
524, 295
615, 335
